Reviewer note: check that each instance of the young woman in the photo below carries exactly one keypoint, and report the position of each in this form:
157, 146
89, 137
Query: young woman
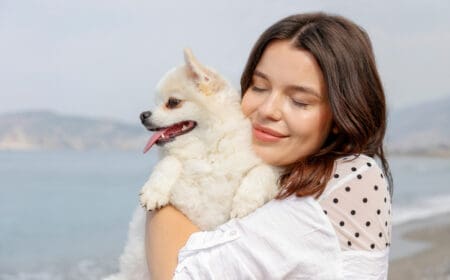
313, 94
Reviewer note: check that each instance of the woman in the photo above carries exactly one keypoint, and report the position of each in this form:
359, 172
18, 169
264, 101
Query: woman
313, 94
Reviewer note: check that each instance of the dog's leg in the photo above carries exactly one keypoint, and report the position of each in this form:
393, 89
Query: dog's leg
156, 191
256, 188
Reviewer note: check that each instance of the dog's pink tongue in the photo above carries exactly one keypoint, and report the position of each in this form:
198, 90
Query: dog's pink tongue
153, 139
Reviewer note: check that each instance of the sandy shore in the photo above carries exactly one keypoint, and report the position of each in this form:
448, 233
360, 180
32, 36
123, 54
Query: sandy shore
424, 251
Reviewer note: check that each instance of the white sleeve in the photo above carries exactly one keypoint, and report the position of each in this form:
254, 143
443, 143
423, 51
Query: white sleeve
288, 238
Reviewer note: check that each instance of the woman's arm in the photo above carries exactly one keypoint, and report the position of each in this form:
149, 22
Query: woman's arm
166, 233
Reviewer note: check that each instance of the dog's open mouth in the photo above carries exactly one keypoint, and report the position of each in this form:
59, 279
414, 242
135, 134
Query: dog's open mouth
163, 135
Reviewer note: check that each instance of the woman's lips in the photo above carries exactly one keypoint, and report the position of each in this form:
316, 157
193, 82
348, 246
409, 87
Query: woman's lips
265, 134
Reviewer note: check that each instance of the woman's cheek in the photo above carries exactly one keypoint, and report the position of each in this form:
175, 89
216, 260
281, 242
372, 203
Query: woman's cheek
247, 104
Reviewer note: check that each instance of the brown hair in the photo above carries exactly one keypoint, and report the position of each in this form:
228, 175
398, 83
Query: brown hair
344, 53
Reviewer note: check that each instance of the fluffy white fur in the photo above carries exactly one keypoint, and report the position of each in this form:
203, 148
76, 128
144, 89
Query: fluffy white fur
210, 173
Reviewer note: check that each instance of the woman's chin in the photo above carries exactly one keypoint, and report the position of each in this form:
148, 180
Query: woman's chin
270, 155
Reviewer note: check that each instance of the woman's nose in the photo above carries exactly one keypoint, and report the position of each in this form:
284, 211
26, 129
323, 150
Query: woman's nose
271, 107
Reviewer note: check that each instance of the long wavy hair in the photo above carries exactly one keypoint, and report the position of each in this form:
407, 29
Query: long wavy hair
344, 53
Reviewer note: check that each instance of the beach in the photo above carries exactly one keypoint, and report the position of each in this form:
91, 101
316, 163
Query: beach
421, 249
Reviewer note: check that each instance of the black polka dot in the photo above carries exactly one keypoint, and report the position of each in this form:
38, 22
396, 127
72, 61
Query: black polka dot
385, 223
389, 212
385, 200
341, 223
336, 175
387, 244
359, 176
353, 212
349, 243
365, 199
347, 189
335, 200
381, 175
325, 211
369, 164
375, 187
367, 223
372, 246
378, 211
353, 168
356, 234
380, 234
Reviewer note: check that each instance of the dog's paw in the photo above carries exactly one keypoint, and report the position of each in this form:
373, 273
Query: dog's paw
153, 200
240, 210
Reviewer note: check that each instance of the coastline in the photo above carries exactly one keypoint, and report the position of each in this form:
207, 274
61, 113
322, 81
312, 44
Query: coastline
421, 249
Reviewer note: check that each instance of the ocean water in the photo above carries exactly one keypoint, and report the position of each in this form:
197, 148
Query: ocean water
64, 215
421, 187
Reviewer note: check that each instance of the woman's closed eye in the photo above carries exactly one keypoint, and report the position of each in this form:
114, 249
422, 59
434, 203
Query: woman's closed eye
259, 88
299, 103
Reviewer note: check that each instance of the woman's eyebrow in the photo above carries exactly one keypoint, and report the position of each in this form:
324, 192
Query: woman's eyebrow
259, 74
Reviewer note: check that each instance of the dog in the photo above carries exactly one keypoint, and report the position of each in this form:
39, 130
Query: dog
208, 169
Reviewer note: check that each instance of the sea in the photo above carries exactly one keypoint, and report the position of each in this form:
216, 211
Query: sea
64, 214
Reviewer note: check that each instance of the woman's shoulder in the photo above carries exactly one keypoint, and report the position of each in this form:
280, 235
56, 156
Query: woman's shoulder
358, 169
355, 167
355, 161
357, 202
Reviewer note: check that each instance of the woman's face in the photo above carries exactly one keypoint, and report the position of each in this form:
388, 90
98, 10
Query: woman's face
287, 104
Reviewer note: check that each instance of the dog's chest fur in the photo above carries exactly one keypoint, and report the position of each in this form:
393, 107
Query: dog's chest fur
211, 173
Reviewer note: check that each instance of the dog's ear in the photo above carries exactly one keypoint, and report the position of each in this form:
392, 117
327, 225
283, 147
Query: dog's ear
207, 81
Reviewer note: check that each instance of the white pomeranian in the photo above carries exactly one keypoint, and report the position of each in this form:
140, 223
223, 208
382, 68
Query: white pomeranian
208, 169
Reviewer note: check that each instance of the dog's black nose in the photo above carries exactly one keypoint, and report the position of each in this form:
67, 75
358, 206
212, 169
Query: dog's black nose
145, 115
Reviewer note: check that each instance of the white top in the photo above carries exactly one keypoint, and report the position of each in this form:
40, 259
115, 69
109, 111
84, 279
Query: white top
345, 234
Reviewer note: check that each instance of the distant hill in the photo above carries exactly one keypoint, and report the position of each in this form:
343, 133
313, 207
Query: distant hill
422, 129
44, 130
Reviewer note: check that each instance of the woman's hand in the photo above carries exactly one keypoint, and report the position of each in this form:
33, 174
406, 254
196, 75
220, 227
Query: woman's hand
166, 233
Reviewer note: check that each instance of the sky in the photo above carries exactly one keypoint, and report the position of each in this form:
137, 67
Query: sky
103, 58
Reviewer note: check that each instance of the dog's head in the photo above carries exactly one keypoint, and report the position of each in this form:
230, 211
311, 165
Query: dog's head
192, 100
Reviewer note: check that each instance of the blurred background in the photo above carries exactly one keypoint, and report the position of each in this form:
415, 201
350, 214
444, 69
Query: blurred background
75, 75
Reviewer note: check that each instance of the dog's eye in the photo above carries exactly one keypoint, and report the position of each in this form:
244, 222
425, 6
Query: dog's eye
173, 103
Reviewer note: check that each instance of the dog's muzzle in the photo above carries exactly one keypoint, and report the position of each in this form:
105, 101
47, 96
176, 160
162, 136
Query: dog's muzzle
145, 115
145, 120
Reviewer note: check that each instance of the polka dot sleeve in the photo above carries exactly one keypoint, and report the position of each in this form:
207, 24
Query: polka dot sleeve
358, 205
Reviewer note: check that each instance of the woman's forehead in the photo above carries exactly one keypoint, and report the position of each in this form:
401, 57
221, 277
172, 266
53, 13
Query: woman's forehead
284, 65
